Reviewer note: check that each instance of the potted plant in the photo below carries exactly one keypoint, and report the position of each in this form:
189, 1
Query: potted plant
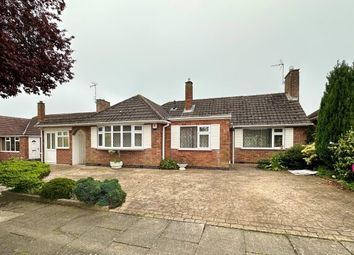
182, 165
115, 162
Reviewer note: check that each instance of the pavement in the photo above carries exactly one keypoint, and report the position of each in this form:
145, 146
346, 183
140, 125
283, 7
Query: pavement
28, 228
246, 198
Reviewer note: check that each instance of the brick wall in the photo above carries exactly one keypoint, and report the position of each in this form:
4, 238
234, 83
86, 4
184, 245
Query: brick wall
24, 147
252, 156
8, 155
147, 158
213, 159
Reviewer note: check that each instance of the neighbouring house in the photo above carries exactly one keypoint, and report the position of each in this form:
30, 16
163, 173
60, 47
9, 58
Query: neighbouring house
313, 117
19, 138
208, 133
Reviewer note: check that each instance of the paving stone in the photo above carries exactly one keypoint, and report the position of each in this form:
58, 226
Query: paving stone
304, 246
349, 246
183, 231
124, 249
266, 243
219, 240
117, 221
171, 247
143, 233
7, 215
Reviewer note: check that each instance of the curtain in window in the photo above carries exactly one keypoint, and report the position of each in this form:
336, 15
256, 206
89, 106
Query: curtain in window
188, 137
257, 138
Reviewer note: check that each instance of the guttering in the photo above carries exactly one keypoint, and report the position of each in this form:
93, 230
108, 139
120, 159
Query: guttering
211, 117
163, 139
103, 123
273, 125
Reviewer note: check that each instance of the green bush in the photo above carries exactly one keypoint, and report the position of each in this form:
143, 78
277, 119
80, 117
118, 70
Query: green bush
310, 155
106, 193
111, 194
88, 190
293, 158
264, 164
23, 176
343, 156
58, 188
168, 164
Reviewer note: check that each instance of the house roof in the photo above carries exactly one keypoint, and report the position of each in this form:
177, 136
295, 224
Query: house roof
17, 126
66, 118
314, 115
132, 109
268, 109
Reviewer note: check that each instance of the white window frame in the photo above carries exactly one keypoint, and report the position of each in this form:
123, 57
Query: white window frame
60, 134
198, 138
7, 139
132, 134
273, 134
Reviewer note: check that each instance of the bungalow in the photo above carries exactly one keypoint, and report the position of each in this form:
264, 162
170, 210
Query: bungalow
209, 133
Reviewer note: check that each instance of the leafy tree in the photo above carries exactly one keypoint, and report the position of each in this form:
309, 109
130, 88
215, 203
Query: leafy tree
336, 115
35, 53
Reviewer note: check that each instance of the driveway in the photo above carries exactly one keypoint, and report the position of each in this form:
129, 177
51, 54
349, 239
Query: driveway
246, 198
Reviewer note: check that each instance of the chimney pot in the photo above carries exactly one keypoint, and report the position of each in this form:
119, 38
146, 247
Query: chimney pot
40, 111
292, 83
188, 95
102, 104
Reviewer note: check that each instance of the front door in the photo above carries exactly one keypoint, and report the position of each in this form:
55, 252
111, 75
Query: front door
79, 148
50, 154
34, 148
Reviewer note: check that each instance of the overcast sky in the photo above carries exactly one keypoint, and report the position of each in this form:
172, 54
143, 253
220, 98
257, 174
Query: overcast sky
226, 47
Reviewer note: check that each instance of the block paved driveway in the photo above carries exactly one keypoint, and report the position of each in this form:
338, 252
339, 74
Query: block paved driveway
245, 198
28, 228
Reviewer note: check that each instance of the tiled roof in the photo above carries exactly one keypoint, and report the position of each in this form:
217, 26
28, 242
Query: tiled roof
268, 109
133, 109
31, 129
67, 118
314, 115
12, 125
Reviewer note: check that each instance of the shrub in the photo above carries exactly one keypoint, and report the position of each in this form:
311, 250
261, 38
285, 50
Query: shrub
343, 156
310, 155
58, 188
111, 194
23, 176
108, 192
292, 158
264, 164
88, 190
168, 164
274, 163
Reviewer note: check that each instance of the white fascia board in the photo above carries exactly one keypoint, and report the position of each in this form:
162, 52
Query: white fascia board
274, 125
212, 117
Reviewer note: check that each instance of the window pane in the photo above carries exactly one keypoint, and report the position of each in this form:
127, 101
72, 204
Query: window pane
138, 140
100, 129
203, 129
107, 140
278, 141
188, 137
257, 138
278, 130
17, 144
60, 142
204, 141
127, 140
100, 140
116, 128
138, 128
53, 141
107, 129
66, 141
116, 139
48, 141
12, 143
127, 128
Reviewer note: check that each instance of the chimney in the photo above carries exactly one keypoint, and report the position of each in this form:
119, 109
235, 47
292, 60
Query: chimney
102, 104
189, 96
292, 83
40, 111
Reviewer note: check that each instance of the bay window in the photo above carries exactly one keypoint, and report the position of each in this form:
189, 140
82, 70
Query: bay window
11, 144
263, 138
195, 137
120, 136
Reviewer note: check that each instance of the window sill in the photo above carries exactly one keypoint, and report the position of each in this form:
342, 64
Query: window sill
261, 148
61, 148
122, 149
195, 149
11, 151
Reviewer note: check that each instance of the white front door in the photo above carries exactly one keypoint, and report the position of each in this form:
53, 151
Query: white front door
50, 155
79, 148
34, 148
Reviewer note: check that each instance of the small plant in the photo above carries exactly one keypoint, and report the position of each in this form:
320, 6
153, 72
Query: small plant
58, 188
168, 164
293, 158
310, 155
115, 155
88, 190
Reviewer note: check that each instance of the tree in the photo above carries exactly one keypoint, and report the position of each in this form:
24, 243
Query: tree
35, 54
336, 115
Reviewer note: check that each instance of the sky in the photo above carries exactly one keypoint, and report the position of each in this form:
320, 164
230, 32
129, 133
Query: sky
226, 47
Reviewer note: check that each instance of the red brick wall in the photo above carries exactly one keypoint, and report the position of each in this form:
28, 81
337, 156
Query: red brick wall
215, 158
8, 155
24, 147
64, 156
252, 156
147, 158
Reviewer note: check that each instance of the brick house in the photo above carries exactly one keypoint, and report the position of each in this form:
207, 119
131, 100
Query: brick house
19, 138
209, 133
